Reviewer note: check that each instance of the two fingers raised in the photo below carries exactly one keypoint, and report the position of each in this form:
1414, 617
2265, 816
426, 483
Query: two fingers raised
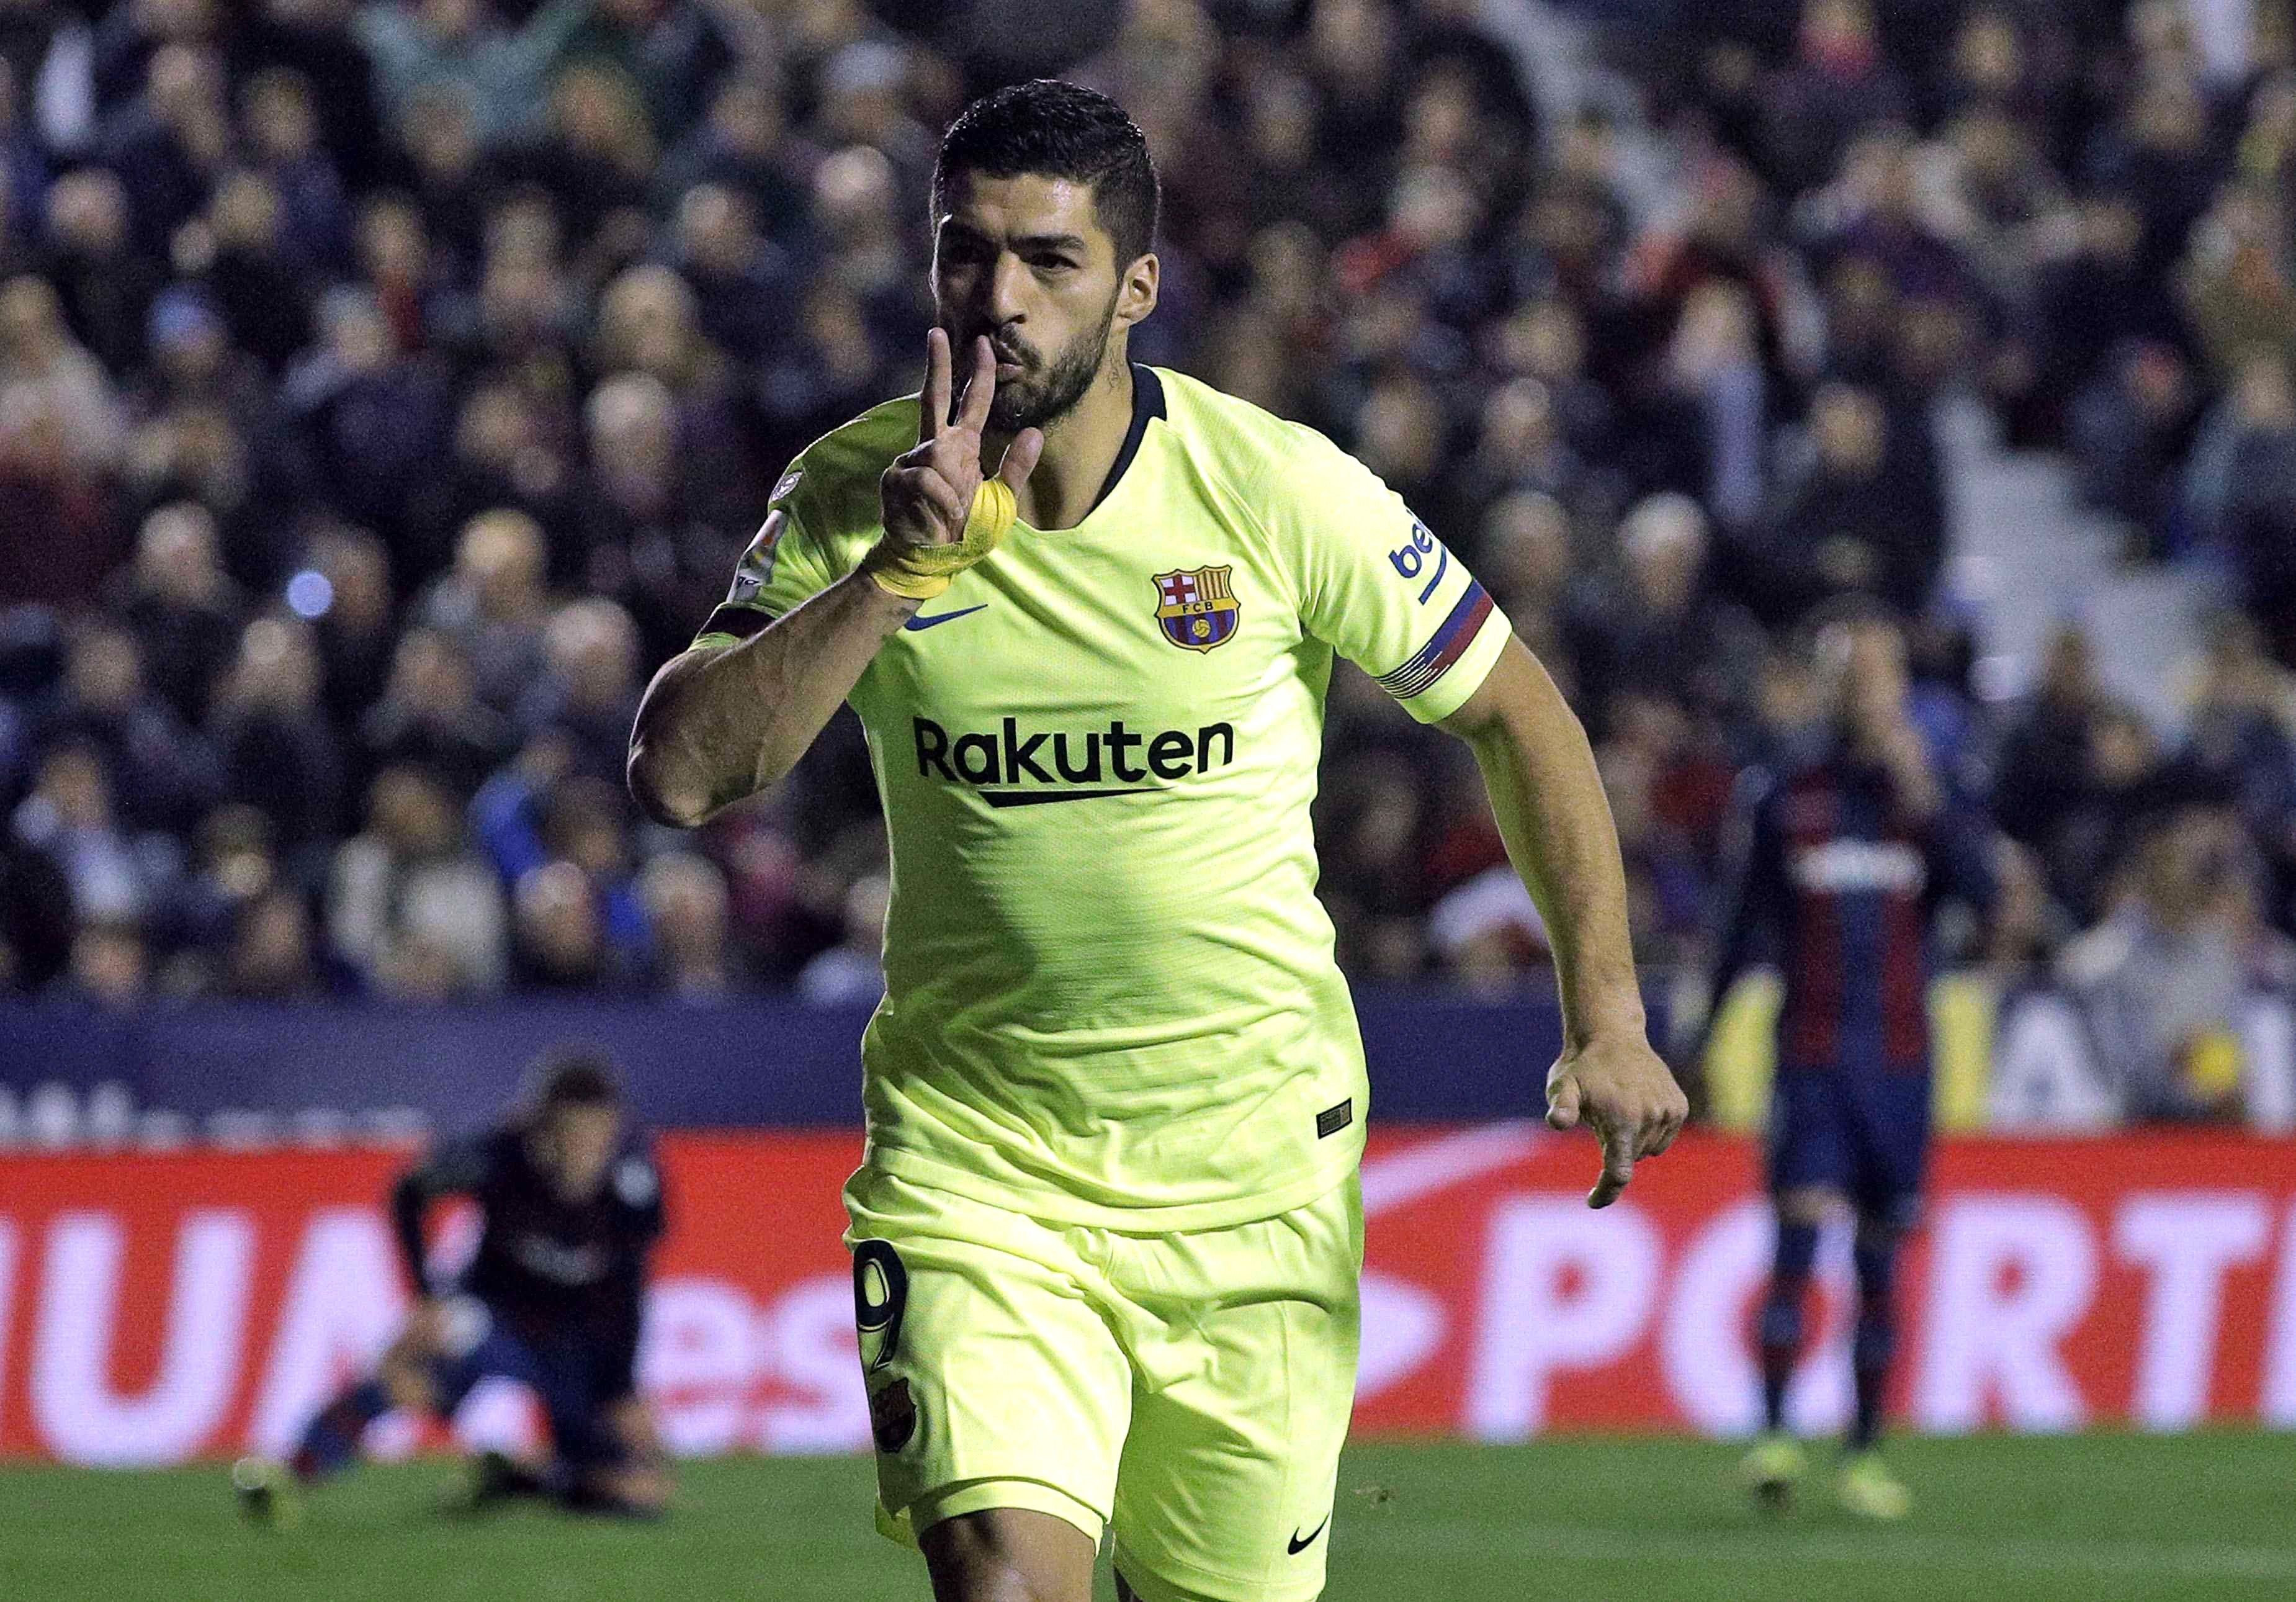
940, 476
934, 417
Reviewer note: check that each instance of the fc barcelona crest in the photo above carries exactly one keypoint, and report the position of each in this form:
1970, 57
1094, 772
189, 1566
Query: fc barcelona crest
1196, 607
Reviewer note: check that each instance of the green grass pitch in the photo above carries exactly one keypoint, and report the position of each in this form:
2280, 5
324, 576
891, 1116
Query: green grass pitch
2100, 1519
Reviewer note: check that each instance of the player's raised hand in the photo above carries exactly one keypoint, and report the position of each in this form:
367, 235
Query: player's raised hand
927, 493
1620, 1089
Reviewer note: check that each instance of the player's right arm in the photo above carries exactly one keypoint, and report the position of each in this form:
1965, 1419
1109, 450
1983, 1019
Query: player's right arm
724, 721
721, 722
456, 1170
1760, 897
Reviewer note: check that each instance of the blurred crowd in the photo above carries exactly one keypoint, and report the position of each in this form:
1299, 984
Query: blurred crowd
386, 389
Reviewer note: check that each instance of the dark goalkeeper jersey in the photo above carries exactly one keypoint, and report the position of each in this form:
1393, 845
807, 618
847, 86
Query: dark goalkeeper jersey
541, 1261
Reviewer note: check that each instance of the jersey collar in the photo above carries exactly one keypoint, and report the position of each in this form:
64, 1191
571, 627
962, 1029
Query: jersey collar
1147, 401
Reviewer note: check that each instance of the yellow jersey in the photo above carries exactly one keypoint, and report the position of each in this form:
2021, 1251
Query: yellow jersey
1110, 998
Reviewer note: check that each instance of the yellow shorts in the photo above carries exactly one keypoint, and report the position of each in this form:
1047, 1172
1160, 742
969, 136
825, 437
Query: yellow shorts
1189, 1390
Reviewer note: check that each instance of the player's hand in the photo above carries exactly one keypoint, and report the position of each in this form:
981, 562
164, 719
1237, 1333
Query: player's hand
927, 493
1617, 1085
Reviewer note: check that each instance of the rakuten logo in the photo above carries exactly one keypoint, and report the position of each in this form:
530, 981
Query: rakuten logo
1062, 760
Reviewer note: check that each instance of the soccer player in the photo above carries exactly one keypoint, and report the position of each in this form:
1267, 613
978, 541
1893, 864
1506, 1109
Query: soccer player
1844, 858
1107, 1233
570, 1205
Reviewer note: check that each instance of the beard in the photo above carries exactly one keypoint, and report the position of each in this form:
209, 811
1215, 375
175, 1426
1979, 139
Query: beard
1046, 392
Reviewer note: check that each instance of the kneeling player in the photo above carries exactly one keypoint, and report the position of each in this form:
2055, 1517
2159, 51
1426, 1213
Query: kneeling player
551, 1300
1846, 856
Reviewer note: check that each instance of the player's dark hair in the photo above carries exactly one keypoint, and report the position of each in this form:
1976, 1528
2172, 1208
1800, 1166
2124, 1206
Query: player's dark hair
573, 1078
1054, 129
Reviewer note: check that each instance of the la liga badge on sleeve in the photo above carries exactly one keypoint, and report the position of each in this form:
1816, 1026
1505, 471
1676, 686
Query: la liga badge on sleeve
1197, 607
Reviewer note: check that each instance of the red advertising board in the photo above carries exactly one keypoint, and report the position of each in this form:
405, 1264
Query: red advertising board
160, 1307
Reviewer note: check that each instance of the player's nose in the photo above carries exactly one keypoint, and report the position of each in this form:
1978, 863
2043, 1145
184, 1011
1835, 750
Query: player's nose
1007, 292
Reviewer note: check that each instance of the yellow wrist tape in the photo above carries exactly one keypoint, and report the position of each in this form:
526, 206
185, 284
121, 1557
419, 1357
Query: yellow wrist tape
921, 571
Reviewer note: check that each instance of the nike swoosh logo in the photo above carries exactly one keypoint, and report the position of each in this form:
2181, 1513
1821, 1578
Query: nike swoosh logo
1300, 1546
919, 623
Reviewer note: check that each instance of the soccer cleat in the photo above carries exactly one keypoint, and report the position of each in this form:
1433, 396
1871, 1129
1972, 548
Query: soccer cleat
267, 1494
1870, 1491
1771, 1468
502, 1478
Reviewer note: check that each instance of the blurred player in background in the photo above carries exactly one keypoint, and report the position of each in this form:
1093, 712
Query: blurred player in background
1845, 859
569, 1206
1108, 1232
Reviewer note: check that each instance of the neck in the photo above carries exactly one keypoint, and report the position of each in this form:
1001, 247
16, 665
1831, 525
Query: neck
1080, 449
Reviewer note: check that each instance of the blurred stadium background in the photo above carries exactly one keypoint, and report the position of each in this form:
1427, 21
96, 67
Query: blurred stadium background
386, 389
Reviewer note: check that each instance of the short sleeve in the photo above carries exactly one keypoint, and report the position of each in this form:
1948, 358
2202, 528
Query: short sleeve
784, 566
1377, 586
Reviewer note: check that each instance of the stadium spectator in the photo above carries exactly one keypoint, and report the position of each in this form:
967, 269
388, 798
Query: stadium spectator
408, 906
164, 775
317, 40
854, 969
587, 695
1861, 516
543, 811
430, 714
507, 458
1841, 83
48, 380
184, 609
106, 284
275, 953
747, 147
191, 923
2130, 427
110, 964
2240, 731
1657, 629
672, 50
278, 749
685, 902
459, 50
170, 143
69, 818
495, 604
2242, 491
364, 418
355, 620
662, 483
740, 278
252, 270
1525, 561
2160, 982
561, 939
2045, 755
2089, 299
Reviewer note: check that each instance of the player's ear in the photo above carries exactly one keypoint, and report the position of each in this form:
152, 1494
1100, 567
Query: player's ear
1135, 294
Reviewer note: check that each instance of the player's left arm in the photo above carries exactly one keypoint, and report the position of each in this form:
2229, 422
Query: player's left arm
1374, 583
1548, 801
